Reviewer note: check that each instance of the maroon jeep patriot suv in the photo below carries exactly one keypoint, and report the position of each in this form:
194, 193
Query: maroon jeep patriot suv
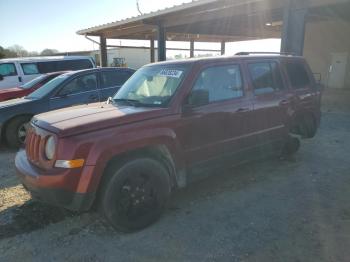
169, 123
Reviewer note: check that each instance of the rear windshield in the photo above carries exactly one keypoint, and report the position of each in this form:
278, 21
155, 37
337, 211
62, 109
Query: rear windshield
33, 82
48, 87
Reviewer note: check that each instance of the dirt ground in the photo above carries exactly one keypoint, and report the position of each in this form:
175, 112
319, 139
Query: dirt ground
272, 210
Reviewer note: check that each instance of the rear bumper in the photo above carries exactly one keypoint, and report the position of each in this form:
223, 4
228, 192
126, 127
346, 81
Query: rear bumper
51, 188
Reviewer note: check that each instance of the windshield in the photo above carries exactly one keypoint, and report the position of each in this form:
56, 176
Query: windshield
48, 87
33, 82
151, 86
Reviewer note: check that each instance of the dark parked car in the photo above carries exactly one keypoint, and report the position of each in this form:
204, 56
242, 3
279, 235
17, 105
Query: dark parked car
26, 89
79, 87
168, 123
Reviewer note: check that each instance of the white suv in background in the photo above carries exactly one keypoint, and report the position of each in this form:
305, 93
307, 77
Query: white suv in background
18, 71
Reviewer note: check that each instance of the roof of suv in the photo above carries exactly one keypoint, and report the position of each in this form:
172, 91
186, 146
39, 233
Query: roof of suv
203, 60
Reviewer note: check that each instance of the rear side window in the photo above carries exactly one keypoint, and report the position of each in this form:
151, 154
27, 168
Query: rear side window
73, 64
64, 65
8, 69
30, 69
47, 67
266, 77
298, 75
114, 78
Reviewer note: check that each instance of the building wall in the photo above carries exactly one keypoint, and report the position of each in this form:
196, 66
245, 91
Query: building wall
321, 40
134, 57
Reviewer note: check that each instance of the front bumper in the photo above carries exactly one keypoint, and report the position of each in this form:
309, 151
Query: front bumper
53, 188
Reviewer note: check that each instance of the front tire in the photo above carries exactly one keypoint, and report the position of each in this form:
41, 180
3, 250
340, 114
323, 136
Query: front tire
15, 132
134, 195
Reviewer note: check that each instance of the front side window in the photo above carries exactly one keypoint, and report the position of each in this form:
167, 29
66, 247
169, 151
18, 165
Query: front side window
48, 87
80, 84
8, 69
114, 78
298, 76
30, 69
266, 77
151, 85
221, 82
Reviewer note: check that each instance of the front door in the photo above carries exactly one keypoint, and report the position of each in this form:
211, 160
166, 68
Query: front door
80, 90
215, 129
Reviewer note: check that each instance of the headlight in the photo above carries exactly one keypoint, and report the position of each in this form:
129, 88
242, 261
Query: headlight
50, 148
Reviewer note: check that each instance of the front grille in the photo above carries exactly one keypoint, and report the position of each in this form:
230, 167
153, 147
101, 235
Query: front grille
33, 143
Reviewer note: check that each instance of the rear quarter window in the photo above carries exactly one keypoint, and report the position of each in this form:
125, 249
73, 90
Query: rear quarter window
114, 78
297, 74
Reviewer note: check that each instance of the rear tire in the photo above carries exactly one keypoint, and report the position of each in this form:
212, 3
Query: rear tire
15, 132
307, 126
133, 196
291, 146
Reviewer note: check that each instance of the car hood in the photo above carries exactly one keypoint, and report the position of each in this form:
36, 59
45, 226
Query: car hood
14, 102
87, 118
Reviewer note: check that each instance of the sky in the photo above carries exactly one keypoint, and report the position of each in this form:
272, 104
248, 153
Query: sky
40, 24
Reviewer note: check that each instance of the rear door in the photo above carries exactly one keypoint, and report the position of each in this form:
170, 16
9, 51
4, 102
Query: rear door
111, 81
80, 90
303, 86
214, 130
10, 75
271, 103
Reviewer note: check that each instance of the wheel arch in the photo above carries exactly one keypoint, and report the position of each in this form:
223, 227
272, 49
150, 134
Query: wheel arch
6, 123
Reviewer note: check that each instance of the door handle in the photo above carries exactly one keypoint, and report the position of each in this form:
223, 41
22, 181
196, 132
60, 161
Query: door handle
242, 109
284, 102
20, 79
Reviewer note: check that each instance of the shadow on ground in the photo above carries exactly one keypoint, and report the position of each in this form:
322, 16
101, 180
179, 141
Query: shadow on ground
29, 217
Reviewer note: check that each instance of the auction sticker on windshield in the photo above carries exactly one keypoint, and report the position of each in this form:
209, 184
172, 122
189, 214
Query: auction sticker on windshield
171, 73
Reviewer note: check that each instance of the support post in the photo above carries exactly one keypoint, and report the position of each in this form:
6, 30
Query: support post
191, 48
152, 50
293, 32
223, 44
103, 51
161, 43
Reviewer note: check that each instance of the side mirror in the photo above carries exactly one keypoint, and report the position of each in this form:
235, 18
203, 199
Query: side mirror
198, 97
1, 77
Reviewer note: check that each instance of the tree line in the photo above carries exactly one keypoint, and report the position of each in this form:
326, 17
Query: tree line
19, 51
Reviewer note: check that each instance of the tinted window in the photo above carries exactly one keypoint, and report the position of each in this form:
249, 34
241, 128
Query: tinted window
47, 67
8, 69
79, 84
221, 82
297, 74
114, 78
30, 69
266, 77
64, 65
73, 64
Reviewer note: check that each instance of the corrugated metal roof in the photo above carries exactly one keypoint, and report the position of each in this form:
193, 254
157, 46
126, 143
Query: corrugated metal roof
176, 8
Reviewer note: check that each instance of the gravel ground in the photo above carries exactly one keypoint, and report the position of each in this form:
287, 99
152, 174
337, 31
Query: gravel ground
271, 210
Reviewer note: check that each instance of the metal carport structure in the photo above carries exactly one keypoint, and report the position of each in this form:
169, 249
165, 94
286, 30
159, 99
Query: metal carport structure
218, 21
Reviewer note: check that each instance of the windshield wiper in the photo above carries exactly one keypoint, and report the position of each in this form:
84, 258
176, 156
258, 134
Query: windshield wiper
132, 102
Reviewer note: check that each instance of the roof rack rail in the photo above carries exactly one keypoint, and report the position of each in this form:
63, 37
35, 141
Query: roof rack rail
263, 53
